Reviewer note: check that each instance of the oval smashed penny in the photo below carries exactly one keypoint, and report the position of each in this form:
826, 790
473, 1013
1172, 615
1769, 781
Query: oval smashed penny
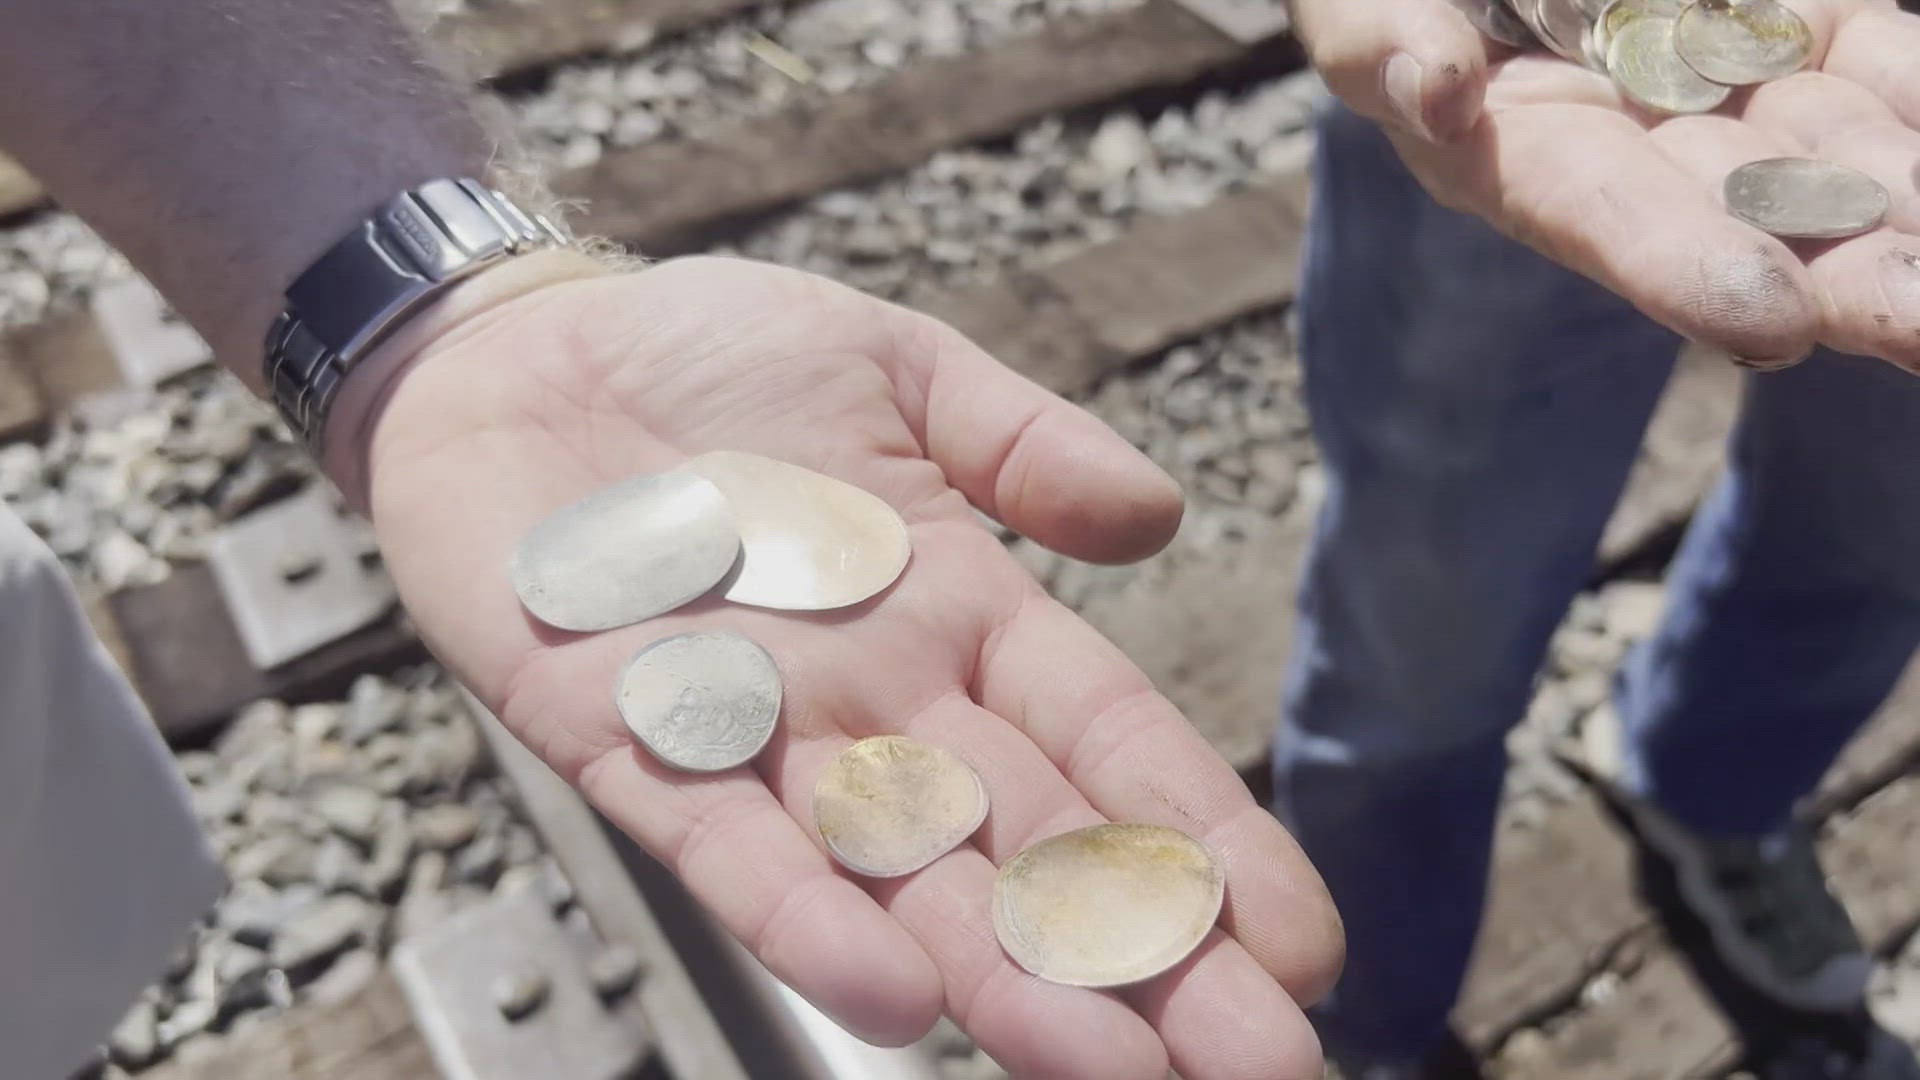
629, 551
1806, 199
889, 805
808, 542
1107, 905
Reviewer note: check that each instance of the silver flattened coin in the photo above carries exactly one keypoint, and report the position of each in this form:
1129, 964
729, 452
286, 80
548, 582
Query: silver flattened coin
1497, 21
628, 552
1744, 42
1559, 23
889, 805
808, 542
1107, 905
1806, 199
702, 701
1618, 13
1641, 59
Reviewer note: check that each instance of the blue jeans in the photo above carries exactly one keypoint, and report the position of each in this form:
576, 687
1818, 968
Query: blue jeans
1478, 409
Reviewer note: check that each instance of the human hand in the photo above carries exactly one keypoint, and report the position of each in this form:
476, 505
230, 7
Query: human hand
1551, 154
525, 404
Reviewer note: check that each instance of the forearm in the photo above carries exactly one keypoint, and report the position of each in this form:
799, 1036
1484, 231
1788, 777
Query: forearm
223, 144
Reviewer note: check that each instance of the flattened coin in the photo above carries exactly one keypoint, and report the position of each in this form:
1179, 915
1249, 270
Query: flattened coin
1806, 199
1559, 23
1107, 905
702, 701
890, 805
809, 542
1497, 21
1619, 13
629, 551
1744, 42
1641, 59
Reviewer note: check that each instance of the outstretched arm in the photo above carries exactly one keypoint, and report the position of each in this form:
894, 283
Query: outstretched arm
223, 144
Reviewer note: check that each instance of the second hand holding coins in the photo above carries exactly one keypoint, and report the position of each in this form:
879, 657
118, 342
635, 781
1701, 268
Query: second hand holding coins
1688, 56
771, 535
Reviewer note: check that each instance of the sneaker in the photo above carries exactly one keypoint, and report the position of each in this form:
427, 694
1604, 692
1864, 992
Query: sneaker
1766, 906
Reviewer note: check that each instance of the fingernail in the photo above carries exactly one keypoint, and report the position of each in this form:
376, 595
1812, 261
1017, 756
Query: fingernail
1458, 108
1900, 283
1766, 364
1402, 79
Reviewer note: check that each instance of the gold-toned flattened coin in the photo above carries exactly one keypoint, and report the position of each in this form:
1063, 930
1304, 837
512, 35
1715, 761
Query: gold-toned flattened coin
1107, 905
1641, 59
808, 542
1806, 199
629, 551
702, 701
889, 805
1619, 13
1744, 42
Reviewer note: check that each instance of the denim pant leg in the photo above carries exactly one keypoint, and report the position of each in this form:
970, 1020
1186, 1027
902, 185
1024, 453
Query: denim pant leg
1477, 409
1794, 603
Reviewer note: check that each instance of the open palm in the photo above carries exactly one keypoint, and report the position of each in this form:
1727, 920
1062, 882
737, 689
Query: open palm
1551, 154
536, 402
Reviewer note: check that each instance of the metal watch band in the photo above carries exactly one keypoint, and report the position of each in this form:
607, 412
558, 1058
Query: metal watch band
419, 243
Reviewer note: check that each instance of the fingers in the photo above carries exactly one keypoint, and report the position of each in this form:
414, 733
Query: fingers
1875, 47
1263, 1035
1418, 65
1223, 1018
1031, 1027
746, 860
1134, 758
1870, 285
1045, 468
1586, 186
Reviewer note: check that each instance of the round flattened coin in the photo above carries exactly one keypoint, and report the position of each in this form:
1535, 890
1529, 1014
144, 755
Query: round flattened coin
1641, 59
889, 805
808, 542
1497, 21
1751, 41
702, 701
1806, 199
1107, 905
628, 552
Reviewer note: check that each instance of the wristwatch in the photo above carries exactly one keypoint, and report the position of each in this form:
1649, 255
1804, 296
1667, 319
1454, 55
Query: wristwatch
410, 250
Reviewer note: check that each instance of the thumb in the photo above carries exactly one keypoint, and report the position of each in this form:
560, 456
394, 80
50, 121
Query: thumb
1043, 467
1417, 65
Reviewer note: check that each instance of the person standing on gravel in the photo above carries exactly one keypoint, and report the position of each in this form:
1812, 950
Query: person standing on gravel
1479, 401
225, 146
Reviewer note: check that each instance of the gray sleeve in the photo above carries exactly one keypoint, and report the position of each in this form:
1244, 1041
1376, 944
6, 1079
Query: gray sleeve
102, 867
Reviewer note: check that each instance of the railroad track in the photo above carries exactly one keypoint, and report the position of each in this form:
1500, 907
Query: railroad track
216, 635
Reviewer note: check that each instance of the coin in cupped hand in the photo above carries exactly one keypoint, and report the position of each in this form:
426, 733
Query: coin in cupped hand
1497, 21
701, 701
629, 551
1806, 199
1740, 44
889, 805
809, 542
1644, 65
1107, 905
